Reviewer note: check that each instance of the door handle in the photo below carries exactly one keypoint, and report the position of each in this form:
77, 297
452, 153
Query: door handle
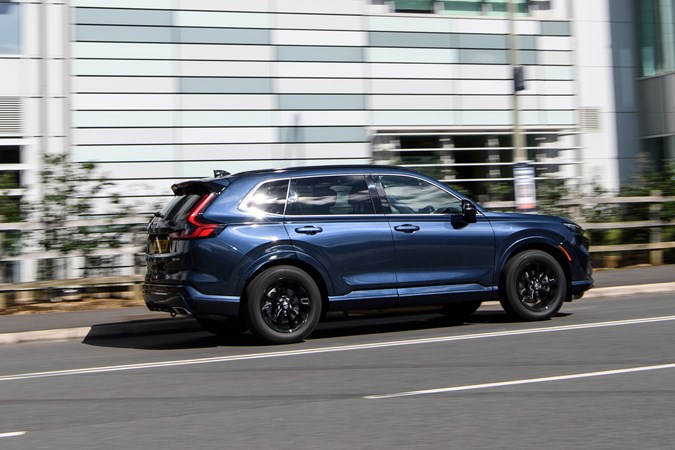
407, 228
309, 229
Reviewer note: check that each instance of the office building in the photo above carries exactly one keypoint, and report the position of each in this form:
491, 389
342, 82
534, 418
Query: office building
156, 91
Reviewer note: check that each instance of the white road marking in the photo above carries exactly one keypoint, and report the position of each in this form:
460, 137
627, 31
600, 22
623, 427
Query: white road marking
340, 348
525, 381
12, 434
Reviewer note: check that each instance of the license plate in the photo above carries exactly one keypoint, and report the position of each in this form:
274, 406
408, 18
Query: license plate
160, 246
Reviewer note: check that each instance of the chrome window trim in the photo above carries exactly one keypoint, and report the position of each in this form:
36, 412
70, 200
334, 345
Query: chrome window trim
290, 179
375, 176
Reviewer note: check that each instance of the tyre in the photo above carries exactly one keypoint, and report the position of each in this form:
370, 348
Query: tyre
460, 311
225, 327
534, 286
284, 305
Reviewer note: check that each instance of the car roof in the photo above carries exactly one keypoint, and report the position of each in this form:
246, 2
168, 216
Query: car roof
320, 170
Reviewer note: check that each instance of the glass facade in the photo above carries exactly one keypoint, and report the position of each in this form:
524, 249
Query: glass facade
656, 32
463, 7
659, 151
656, 40
10, 26
479, 165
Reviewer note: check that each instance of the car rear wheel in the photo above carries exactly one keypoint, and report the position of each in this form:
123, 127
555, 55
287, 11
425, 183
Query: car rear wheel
284, 305
534, 286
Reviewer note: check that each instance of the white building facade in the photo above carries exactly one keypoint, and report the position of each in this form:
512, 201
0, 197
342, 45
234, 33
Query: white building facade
156, 91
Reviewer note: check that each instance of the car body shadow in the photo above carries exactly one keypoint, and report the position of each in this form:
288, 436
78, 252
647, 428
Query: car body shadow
157, 334
185, 333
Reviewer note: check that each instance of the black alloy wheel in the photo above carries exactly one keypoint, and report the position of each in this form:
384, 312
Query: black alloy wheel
284, 305
535, 286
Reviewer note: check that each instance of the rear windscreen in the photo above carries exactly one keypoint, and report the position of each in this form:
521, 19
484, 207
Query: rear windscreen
180, 206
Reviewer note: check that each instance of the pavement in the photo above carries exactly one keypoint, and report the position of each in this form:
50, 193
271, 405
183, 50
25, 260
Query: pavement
140, 321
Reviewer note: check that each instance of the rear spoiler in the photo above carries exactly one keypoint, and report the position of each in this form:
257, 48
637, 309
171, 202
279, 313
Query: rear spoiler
200, 187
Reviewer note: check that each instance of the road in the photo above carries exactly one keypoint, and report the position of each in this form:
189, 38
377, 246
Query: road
601, 375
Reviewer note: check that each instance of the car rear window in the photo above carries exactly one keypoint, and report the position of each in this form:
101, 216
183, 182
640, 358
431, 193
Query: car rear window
269, 197
180, 206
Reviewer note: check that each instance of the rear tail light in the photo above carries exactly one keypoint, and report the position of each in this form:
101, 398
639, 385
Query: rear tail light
196, 227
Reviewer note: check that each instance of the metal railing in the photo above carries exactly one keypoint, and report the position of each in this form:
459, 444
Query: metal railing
128, 285
655, 224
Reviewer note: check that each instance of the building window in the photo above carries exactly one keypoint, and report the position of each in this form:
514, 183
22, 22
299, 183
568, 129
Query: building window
10, 209
10, 154
10, 28
479, 165
656, 34
414, 6
657, 153
468, 7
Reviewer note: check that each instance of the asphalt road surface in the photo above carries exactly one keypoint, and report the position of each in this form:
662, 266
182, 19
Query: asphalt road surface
600, 375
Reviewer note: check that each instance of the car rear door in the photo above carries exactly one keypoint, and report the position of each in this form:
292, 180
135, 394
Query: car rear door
172, 228
438, 255
332, 222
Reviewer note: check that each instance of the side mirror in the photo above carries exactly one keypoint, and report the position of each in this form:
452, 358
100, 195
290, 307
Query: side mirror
469, 211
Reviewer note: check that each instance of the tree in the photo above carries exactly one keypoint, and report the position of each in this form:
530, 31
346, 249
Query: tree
69, 201
551, 192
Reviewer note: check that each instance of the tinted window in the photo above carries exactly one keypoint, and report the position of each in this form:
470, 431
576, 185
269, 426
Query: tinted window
347, 194
10, 154
10, 29
410, 195
269, 197
180, 206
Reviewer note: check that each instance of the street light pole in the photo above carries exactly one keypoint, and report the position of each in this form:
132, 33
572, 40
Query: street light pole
519, 154
523, 173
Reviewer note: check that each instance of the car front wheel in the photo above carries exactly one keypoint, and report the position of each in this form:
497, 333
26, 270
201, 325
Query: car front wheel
534, 286
284, 305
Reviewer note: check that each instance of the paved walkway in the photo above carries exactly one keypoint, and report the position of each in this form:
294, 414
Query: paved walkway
78, 324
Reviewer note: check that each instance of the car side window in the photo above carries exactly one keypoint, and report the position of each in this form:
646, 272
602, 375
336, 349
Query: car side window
330, 195
269, 197
410, 195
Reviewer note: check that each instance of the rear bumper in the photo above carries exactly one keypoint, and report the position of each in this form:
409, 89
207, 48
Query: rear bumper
186, 300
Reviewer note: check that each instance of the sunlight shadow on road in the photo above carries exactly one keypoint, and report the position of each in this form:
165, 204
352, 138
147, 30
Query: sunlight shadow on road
185, 333
160, 334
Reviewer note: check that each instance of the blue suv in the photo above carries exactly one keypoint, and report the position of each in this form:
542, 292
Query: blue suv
272, 251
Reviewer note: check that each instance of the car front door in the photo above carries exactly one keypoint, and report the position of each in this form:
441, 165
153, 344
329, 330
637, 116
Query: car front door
332, 223
439, 256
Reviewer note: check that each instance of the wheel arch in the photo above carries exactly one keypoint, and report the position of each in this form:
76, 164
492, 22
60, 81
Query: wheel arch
294, 262
556, 252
